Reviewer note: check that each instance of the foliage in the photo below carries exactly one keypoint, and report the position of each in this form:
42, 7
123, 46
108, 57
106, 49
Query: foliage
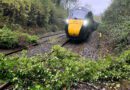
68, 4
23, 15
65, 3
118, 12
61, 68
30, 13
116, 23
11, 39
8, 38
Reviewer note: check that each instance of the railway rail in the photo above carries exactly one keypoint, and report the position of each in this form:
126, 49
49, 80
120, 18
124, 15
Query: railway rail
63, 43
89, 49
6, 85
35, 44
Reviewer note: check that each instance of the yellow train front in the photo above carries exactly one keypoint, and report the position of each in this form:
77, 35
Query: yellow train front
79, 24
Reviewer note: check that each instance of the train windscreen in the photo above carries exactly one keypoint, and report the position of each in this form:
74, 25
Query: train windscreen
78, 14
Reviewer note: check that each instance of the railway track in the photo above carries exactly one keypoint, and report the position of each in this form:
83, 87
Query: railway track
84, 49
65, 43
89, 49
6, 85
43, 38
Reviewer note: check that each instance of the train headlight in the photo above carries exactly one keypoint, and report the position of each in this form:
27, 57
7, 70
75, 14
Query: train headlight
85, 22
67, 21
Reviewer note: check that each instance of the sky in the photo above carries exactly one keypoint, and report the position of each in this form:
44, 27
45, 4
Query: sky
97, 6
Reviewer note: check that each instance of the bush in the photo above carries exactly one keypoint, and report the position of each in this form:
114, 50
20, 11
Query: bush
30, 13
61, 68
116, 24
117, 13
11, 39
8, 39
28, 38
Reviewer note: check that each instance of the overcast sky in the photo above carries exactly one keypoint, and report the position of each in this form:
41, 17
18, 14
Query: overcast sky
98, 6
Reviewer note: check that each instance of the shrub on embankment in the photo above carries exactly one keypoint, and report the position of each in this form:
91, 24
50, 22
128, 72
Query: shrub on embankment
31, 13
11, 39
61, 68
28, 16
116, 24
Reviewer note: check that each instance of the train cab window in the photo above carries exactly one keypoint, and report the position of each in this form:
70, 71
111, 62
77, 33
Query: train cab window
78, 14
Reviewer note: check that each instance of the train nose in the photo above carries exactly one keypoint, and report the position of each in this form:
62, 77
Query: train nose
74, 27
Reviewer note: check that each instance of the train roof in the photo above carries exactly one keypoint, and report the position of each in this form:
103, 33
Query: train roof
78, 12
79, 8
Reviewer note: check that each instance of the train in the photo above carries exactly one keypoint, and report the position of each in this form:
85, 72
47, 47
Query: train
79, 24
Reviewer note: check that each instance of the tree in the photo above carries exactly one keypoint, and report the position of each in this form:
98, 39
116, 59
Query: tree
68, 4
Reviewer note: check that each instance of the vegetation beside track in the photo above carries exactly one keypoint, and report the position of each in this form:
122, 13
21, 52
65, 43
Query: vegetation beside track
31, 13
28, 16
12, 39
116, 25
62, 68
